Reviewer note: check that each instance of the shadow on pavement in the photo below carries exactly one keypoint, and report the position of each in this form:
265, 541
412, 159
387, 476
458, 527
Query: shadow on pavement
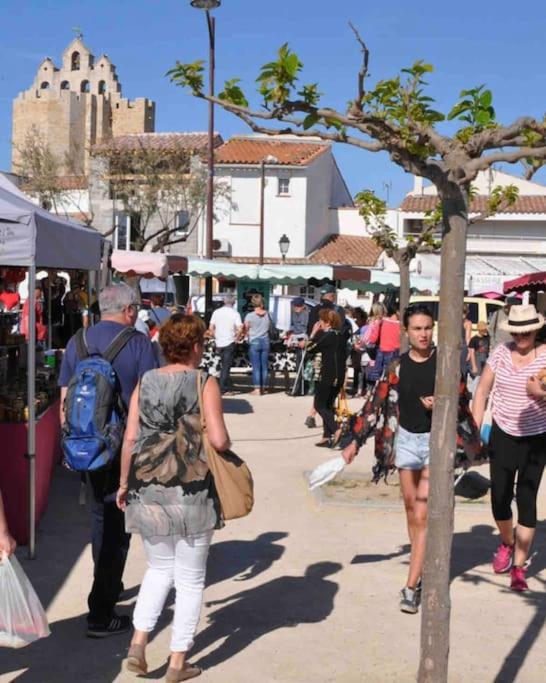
370, 559
281, 603
229, 559
66, 655
238, 406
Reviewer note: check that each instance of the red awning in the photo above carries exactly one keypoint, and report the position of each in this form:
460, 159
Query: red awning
531, 281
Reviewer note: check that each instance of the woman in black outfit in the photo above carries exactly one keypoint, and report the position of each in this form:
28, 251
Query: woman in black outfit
327, 340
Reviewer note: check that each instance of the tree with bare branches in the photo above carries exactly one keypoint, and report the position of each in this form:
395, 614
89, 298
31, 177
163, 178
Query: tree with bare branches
43, 174
162, 189
397, 116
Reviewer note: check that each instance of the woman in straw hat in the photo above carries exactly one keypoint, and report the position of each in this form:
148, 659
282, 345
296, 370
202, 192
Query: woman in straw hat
518, 436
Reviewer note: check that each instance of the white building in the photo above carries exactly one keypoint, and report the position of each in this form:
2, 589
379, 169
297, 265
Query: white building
303, 185
510, 243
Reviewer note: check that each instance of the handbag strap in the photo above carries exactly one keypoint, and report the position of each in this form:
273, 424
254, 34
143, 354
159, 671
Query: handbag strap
200, 397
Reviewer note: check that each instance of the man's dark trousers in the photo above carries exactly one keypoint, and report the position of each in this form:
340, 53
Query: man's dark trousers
226, 354
110, 546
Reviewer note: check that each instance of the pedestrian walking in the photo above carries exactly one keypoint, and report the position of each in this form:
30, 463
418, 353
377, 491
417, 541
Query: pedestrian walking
257, 324
328, 341
400, 412
110, 543
158, 311
478, 352
360, 318
167, 492
386, 336
327, 301
226, 328
518, 436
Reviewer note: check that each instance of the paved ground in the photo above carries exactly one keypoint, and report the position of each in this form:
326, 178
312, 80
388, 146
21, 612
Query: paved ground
299, 591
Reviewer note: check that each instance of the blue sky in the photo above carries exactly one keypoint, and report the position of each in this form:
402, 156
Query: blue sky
500, 44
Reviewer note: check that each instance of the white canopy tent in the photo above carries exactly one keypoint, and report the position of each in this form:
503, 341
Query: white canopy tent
32, 237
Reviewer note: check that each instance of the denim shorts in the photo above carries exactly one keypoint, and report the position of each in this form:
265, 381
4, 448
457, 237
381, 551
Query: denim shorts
412, 450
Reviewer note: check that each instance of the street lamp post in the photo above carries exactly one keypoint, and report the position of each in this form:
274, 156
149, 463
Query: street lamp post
284, 246
208, 5
269, 159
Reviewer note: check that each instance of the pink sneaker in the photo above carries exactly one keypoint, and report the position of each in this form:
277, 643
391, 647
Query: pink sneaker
517, 579
502, 561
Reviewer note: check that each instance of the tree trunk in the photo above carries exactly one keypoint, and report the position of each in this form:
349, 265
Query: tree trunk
404, 269
436, 576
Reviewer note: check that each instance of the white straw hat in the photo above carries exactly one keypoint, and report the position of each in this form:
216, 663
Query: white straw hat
522, 319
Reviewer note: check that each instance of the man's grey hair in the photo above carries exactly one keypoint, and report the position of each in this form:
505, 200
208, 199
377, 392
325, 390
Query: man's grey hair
115, 298
229, 300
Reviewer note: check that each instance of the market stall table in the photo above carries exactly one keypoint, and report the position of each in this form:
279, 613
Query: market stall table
14, 469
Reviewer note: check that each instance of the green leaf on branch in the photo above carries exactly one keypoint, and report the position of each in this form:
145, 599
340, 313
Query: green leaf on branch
310, 120
277, 79
188, 75
475, 108
233, 93
310, 94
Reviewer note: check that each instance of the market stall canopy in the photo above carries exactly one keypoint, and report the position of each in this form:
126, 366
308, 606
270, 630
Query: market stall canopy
30, 235
485, 273
147, 263
530, 281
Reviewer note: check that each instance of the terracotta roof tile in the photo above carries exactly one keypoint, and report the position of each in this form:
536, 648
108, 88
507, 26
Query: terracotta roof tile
347, 250
254, 150
523, 204
165, 141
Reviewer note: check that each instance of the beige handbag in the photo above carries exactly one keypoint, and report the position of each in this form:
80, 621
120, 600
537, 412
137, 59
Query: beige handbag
232, 477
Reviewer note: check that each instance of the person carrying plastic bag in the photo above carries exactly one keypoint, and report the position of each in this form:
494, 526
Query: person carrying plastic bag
22, 617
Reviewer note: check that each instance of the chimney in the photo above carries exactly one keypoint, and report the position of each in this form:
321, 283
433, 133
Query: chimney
417, 184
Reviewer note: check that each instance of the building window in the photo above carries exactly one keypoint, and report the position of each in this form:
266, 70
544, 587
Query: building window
122, 234
284, 186
75, 61
44, 86
309, 292
102, 87
65, 85
181, 223
84, 86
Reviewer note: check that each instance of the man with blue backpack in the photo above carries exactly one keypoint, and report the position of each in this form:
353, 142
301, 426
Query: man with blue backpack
101, 367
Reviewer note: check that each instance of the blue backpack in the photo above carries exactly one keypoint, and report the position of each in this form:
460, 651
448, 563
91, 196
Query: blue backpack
95, 414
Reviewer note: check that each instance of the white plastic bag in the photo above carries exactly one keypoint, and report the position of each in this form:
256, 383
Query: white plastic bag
326, 471
22, 617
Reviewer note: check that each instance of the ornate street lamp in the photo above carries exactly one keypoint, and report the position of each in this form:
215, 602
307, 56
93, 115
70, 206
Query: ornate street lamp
208, 5
284, 246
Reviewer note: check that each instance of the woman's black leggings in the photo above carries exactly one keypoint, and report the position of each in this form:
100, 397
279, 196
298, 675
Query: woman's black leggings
325, 397
511, 455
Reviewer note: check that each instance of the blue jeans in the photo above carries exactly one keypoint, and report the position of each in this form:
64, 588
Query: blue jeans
259, 357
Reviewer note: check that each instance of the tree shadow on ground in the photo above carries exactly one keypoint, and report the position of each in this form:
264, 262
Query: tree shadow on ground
514, 660
237, 406
229, 559
281, 603
66, 655
372, 558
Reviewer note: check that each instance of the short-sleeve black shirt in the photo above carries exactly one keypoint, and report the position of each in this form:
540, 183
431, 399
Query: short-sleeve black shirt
416, 380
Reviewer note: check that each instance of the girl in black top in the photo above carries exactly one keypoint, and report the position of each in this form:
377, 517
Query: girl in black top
327, 340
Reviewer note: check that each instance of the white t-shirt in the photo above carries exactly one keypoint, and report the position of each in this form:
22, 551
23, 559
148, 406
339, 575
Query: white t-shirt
226, 322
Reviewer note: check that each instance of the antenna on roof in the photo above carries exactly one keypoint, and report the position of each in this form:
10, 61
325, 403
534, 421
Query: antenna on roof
77, 30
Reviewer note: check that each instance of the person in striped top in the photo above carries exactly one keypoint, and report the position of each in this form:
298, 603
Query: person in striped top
518, 436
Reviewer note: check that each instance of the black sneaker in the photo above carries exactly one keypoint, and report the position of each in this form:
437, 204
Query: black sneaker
419, 592
310, 422
117, 625
409, 600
